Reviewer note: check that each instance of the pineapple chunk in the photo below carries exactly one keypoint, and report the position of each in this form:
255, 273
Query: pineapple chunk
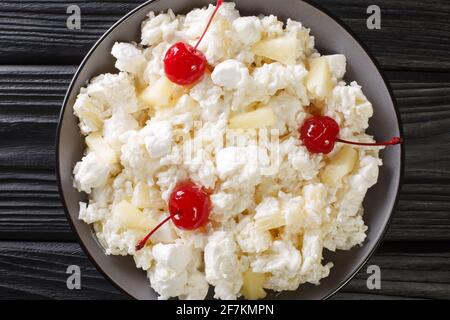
187, 104
259, 118
141, 196
158, 95
88, 114
252, 288
156, 201
140, 85
319, 80
341, 164
267, 187
282, 49
147, 197
270, 222
101, 148
129, 217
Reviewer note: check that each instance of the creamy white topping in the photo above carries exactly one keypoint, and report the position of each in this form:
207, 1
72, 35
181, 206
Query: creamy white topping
273, 209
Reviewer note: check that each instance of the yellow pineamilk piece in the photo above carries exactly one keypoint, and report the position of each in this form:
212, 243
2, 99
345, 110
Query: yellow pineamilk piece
147, 197
129, 217
252, 288
319, 80
259, 118
340, 165
282, 49
267, 187
97, 144
86, 111
270, 222
141, 196
158, 94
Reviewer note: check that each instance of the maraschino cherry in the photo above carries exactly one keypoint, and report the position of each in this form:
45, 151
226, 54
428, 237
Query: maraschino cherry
189, 207
320, 133
185, 64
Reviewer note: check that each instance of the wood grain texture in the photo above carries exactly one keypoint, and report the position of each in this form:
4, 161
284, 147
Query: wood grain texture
424, 208
413, 43
414, 34
417, 270
30, 100
38, 271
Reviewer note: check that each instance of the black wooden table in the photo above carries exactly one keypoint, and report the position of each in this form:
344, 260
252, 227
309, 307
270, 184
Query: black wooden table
38, 56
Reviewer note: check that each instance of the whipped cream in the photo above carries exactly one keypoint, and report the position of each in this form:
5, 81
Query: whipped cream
273, 223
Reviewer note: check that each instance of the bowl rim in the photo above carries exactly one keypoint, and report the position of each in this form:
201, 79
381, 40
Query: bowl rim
309, 2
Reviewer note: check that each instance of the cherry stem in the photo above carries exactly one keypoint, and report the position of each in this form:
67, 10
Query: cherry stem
142, 242
219, 3
393, 141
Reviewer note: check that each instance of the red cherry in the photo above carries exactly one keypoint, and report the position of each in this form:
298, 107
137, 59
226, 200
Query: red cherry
189, 207
184, 64
320, 133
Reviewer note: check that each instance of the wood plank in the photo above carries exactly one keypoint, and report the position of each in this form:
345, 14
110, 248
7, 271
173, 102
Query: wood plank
408, 270
38, 271
30, 100
414, 34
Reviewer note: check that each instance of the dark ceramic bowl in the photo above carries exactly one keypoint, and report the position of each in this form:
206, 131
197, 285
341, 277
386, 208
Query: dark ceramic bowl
331, 37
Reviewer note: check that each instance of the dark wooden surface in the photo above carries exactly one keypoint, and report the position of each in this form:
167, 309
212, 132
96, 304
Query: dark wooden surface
38, 56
